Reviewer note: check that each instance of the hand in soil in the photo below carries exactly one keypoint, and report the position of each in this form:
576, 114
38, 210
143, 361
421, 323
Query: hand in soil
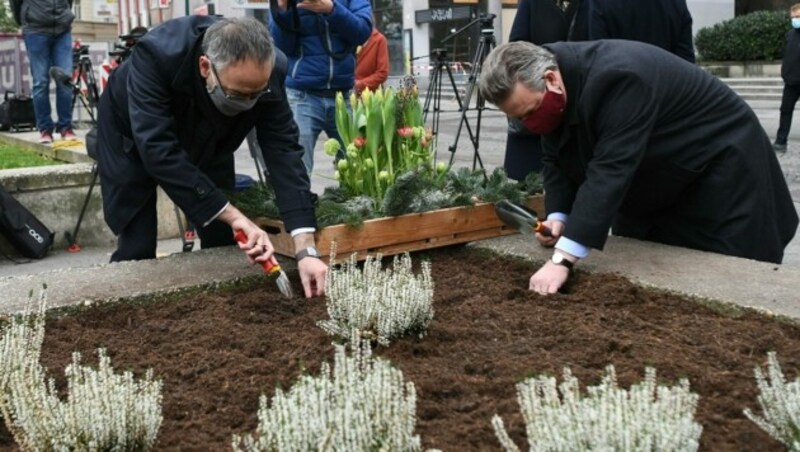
312, 275
549, 278
556, 228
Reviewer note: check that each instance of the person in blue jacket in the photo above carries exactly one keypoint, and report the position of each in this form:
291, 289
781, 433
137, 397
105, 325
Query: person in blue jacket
172, 116
320, 38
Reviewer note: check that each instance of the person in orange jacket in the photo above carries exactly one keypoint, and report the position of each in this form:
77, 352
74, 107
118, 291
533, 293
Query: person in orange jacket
372, 65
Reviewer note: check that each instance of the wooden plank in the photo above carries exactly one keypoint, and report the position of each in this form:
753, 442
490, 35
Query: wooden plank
412, 232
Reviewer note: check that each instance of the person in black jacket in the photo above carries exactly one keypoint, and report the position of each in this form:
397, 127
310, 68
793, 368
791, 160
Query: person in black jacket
790, 72
663, 23
539, 22
172, 116
637, 138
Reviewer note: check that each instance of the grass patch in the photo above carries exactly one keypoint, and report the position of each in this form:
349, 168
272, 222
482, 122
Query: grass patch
16, 157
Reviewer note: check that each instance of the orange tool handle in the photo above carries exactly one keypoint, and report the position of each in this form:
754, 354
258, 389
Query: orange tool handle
269, 266
542, 229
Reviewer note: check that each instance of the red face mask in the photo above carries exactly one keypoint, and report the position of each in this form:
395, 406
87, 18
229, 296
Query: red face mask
548, 116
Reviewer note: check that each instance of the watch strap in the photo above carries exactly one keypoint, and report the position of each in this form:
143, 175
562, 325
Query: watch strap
307, 252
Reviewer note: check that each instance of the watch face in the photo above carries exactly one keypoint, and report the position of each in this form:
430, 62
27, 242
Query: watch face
312, 252
558, 258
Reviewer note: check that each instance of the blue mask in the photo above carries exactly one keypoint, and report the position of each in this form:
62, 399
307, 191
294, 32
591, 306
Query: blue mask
795, 22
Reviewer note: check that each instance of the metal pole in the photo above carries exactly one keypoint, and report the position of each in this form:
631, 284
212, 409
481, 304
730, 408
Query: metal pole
187, 7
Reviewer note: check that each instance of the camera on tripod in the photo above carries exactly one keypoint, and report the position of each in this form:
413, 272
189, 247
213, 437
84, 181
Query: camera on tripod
79, 50
124, 46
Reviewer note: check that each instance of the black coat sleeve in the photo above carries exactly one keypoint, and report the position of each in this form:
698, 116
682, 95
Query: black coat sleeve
621, 113
278, 135
560, 190
153, 127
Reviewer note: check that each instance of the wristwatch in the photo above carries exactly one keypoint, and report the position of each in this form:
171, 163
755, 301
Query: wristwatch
560, 259
307, 252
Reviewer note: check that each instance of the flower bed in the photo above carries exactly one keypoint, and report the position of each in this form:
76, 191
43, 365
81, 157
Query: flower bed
216, 353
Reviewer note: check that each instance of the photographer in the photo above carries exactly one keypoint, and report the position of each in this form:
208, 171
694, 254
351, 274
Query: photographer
320, 38
47, 31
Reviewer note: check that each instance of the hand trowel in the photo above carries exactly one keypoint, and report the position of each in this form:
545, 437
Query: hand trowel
271, 267
520, 217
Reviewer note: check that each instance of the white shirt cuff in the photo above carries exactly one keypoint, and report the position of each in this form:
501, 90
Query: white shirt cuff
572, 247
217, 214
302, 231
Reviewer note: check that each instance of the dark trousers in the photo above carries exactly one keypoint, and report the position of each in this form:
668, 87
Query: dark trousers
139, 238
791, 93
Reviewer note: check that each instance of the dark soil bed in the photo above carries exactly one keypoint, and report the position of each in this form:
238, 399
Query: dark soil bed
216, 353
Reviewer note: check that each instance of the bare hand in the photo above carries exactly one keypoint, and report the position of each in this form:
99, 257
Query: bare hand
312, 275
549, 278
258, 246
556, 227
316, 6
282, 5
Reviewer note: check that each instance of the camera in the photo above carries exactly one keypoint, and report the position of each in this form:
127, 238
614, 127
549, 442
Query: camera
124, 46
78, 51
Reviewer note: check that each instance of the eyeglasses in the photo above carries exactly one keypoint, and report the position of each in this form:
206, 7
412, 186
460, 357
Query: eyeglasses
251, 96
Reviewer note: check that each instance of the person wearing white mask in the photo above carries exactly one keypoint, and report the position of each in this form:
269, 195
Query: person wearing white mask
172, 116
790, 72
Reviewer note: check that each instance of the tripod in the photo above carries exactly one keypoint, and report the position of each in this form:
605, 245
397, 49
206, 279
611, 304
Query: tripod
83, 72
434, 93
485, 45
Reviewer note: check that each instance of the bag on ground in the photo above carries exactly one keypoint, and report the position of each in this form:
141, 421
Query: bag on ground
22, 229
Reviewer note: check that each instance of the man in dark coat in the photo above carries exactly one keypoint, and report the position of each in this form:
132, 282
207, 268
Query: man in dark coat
790, 72
637, 137
663, 23
172, 116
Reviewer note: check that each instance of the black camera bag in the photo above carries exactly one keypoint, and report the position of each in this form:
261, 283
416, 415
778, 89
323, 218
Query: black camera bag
16, 112
22, 229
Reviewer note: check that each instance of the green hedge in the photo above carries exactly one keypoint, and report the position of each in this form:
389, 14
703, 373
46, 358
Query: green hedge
755, 36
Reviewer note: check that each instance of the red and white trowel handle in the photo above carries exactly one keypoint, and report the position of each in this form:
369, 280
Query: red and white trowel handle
270, 266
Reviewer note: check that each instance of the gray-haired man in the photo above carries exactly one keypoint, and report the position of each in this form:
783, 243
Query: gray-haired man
172, 116
636, 137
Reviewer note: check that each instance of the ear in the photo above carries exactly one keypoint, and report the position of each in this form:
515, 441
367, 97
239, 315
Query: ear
204, 65
553, 82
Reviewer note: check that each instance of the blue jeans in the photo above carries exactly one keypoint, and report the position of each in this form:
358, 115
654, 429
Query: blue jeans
45, 51
313, 114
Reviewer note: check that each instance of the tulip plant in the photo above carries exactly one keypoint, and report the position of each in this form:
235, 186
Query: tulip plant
384, 137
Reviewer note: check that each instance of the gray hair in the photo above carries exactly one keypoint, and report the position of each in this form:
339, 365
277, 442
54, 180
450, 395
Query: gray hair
511, 63
238, 39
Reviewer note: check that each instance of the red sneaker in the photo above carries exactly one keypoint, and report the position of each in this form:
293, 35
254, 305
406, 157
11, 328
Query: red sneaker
45, 137
68, 134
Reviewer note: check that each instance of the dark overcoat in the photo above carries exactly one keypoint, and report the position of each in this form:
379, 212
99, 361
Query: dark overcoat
663, 23
665, 151
157, 126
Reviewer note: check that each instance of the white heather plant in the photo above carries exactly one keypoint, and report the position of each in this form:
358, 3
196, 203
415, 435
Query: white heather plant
381, 304
362, 404
648, 417
780, 403
103, 410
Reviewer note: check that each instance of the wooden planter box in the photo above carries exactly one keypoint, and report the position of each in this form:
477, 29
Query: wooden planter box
394, 235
